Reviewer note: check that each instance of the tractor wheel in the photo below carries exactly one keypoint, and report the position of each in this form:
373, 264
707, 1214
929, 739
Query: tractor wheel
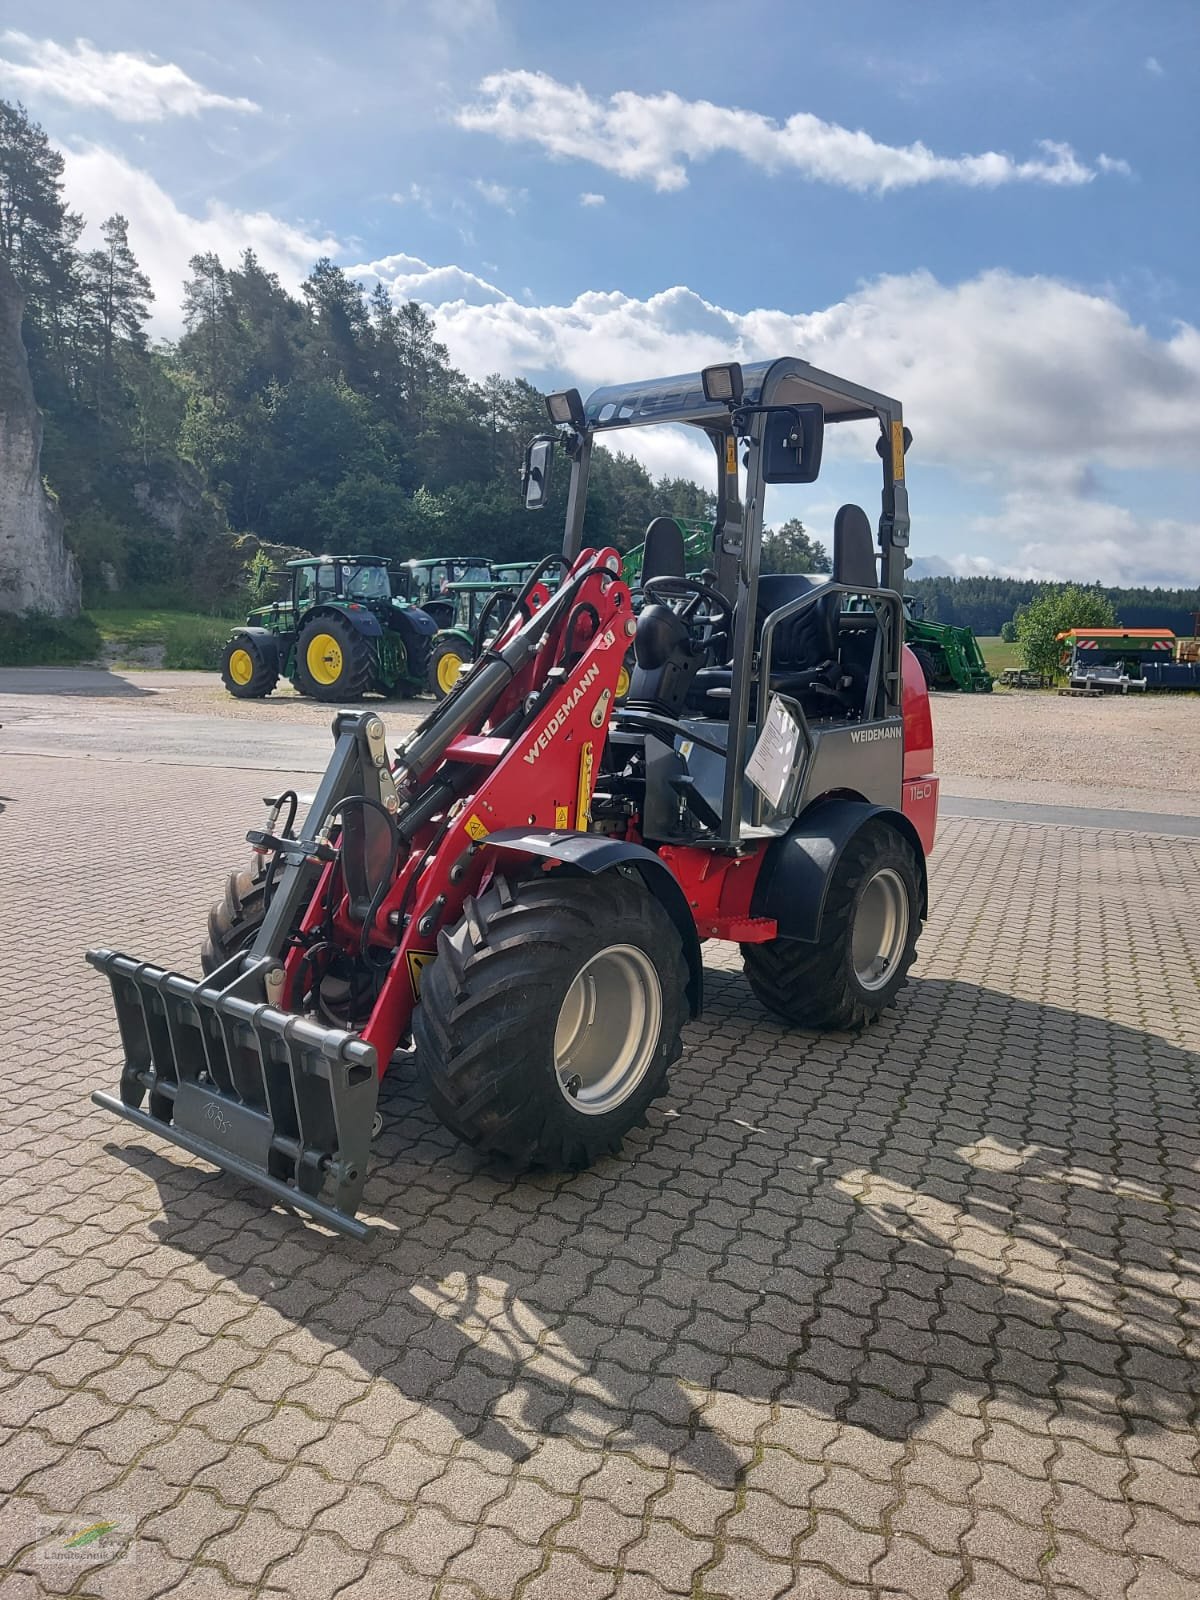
549, 1019
333, 660
234, 920
417, 655
246, 670
446, 660
867, 941
927, 665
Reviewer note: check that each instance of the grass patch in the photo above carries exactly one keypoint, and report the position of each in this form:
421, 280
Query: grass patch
998, 655
186, 639
38, 640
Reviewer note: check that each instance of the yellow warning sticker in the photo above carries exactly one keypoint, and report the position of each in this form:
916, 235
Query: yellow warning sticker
898, 452
476, 828
416, 960
562, 816
730, 454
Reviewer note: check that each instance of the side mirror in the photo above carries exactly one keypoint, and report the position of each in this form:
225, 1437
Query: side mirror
535, 478
792, 443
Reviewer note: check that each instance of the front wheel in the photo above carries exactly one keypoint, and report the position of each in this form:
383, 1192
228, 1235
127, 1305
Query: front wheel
866, 944
550, 1018
448, 657
249, 667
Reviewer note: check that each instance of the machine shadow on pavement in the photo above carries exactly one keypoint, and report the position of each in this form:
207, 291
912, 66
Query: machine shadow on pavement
75, 682
967, 1210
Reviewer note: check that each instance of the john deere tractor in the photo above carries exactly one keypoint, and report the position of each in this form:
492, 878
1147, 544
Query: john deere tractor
338, 632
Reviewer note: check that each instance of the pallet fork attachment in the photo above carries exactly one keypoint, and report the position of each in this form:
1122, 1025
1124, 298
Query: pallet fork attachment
277, 1099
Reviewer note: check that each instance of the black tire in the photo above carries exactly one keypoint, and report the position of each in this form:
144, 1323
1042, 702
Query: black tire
418, 649
817, 985
356, 671
441, 677
927, 664
264, 667
234, 919
485, 1028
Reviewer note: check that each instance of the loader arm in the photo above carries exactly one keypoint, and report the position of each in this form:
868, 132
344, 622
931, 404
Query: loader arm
245, 1068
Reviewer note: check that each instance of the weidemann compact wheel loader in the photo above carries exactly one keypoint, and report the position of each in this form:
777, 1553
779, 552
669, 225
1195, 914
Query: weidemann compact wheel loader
519, 893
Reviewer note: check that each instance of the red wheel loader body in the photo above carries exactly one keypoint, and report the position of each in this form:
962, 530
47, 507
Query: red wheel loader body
767, 779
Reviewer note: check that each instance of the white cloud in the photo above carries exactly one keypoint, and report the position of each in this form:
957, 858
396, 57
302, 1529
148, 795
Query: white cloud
1079, 537
164, 238
1003, 379
416, 195
588, 198
653, 138
448, 288
1154, 67
996, 373
500, 195
133, 87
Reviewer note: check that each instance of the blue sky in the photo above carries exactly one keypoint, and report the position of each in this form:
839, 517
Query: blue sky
990, 211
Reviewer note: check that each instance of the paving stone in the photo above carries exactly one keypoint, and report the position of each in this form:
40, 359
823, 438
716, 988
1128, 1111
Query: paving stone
668, 1556
428, 1539
744, 1574
860, 1303
834, 1543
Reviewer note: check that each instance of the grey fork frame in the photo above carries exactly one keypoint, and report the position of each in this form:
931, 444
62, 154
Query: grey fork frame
275, 1098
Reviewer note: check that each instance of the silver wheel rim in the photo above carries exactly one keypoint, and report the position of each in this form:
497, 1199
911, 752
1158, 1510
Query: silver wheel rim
608, 1029
880, 929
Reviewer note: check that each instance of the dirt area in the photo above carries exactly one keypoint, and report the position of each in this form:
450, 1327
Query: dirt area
1124, 752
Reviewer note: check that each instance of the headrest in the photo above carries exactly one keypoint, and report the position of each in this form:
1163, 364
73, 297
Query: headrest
663, 555
854, 549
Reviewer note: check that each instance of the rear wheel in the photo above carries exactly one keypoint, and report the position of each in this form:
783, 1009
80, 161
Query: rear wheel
867, 941
333, 660
446, 660
248, 669
550, 1018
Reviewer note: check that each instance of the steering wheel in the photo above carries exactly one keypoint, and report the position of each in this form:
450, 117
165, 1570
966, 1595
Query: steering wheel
665, 589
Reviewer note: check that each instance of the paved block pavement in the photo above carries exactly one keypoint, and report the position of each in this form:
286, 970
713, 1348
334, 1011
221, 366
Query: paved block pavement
912, 1314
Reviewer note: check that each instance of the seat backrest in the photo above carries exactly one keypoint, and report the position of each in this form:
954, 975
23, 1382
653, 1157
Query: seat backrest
854, 549
806, 640
663, 554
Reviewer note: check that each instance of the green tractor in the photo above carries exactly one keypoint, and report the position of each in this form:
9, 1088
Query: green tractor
452, 589
950, 657
339, 631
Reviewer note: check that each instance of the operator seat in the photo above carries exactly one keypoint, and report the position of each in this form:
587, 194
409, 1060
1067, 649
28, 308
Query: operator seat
806, 655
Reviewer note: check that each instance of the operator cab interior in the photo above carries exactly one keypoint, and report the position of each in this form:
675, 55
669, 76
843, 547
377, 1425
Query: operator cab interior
820, 657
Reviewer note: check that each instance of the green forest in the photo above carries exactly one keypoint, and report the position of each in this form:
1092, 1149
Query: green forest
328, 419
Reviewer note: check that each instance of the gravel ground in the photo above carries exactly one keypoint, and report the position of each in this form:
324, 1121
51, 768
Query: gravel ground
1135, 753
1126, 752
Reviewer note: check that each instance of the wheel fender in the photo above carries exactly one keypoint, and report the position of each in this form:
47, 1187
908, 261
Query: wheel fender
262, 639
794, 878
460, 636
412, 622
364, 622
593, 853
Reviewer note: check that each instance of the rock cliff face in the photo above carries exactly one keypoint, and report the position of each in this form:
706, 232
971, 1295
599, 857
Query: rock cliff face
37, 571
